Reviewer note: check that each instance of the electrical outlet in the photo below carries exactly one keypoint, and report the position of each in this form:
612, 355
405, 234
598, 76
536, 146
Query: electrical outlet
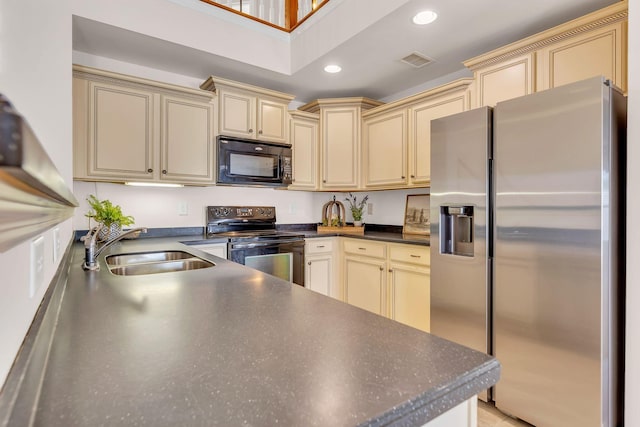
369, 208
36, 270
56, 244
183, 208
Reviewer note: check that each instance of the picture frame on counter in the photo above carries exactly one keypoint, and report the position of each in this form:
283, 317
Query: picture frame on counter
416, 215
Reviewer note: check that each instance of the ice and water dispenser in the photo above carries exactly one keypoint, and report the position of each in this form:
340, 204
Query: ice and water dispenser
456, 230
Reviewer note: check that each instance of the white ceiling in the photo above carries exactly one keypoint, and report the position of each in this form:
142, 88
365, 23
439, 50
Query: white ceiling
370, 58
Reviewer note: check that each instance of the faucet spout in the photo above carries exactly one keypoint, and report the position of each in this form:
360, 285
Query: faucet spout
91, 251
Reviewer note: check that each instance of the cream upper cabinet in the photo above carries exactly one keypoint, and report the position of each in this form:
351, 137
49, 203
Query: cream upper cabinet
384, 151
594, 44
599, 52
304, 138
114, 133
505, 80
396, 137
248, 111
186, 140
132, 129
340, 145
446, 100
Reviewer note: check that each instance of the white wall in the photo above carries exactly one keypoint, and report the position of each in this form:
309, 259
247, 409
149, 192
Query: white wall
388, 206
158, 207
632, 377
35, 57
189, 26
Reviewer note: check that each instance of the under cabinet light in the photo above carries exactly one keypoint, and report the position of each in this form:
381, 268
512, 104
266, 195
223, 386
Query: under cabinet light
152, 184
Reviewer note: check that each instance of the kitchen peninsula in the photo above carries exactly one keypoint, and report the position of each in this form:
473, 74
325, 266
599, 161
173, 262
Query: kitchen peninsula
229, 345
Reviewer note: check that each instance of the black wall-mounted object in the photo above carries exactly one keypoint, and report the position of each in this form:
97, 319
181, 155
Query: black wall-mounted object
33, 195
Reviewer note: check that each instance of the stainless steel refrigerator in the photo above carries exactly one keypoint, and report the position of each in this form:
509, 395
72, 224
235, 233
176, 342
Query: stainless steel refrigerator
527, 240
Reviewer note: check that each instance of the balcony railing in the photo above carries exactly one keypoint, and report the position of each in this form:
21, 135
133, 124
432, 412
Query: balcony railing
285, 15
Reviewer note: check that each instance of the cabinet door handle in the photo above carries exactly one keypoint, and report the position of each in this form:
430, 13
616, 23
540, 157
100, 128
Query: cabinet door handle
403, 177
309, 263
320, 246
415, 256
250, 130
164, 171
381, 268
390, 270
363, 249
260, 132
413, 176
324, 180
149, 170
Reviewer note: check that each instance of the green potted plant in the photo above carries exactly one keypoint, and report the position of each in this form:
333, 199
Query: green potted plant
109, 215
357, 208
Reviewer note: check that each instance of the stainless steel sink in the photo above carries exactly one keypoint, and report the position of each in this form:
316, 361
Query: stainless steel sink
154, 262
144, 257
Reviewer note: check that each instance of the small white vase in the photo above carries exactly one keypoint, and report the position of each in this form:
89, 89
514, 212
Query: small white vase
357, 223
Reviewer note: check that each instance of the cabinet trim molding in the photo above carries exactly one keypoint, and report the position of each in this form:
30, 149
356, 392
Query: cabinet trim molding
609, 15
213, 81
454, 86
125, 80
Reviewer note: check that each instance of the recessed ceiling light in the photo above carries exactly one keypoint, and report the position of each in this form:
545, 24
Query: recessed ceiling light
333, 68
425, 17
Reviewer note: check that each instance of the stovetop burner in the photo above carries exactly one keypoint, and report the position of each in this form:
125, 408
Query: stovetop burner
241, 223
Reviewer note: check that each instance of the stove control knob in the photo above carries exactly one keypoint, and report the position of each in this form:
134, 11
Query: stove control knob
216, 212
269, 212
260, 211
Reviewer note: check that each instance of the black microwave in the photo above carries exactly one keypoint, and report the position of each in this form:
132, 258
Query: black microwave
244, 161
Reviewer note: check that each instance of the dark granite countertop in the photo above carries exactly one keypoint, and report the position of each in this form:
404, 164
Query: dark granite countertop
376, 235
230, 345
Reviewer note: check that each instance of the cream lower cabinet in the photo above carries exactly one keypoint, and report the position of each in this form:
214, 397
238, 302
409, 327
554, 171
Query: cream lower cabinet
365, 274
131, 129
409, 294
304, 134
217, 249
389, 279
320, 266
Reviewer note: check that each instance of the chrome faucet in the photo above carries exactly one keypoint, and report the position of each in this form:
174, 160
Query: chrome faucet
91, 251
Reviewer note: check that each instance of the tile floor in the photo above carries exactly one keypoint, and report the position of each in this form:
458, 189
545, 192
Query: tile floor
489, 416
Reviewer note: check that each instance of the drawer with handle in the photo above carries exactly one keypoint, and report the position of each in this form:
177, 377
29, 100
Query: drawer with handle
412, 254
318, 246
365, 247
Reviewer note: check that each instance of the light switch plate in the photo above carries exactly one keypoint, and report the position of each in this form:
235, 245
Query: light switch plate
36, 269
56, 244
369, 208
183, 208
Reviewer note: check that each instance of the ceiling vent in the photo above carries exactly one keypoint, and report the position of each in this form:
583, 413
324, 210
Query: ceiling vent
417, 60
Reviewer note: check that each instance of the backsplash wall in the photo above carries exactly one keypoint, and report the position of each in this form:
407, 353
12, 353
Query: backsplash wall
158, 207
388, 206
